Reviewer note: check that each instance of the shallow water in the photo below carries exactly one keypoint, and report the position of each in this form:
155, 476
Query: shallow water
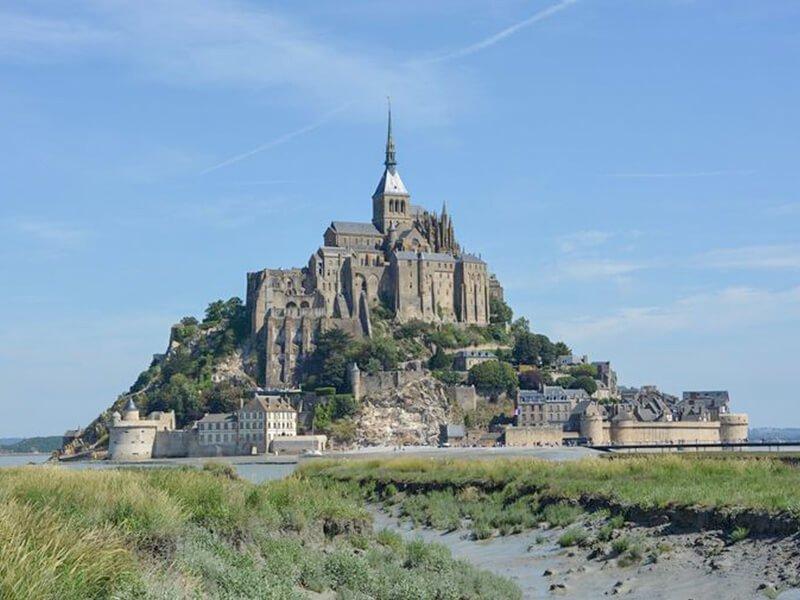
254, 471
16, 460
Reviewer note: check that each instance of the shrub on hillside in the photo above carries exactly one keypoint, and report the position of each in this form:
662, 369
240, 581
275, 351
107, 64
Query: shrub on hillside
493, 376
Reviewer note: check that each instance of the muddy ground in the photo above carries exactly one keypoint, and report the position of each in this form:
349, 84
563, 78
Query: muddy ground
657, 564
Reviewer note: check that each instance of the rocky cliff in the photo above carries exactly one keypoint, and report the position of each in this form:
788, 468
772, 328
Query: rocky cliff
410, 414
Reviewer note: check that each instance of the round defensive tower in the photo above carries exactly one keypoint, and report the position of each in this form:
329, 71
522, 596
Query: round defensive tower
131, 412
622, 431
592, 426
733, 428
130, 438
354, 374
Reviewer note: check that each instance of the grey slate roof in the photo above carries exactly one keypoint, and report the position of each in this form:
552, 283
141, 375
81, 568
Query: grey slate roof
216, 417
390, 183
437, 256
471, 258
406, 255
351, 227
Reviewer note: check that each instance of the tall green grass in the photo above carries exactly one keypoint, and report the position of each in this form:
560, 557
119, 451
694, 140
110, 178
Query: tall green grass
655, 481
45, 556
182, 533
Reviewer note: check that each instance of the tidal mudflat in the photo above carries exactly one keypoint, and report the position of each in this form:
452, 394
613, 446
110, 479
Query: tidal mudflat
646, 527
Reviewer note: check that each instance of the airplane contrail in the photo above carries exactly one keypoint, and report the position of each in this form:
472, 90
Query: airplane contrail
497, 37
279, 140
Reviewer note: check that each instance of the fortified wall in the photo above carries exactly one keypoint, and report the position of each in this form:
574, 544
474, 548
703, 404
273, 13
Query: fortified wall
730, 428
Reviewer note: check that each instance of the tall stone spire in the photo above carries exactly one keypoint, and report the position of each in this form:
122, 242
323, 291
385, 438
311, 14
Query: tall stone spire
390, 161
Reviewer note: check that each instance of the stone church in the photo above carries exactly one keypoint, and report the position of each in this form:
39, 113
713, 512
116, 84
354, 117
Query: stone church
406, 259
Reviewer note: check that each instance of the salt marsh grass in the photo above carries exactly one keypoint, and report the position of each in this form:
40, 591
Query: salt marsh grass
652, 481
183, 533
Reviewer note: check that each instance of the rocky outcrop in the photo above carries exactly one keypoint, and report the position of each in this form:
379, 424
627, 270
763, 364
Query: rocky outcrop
410, 414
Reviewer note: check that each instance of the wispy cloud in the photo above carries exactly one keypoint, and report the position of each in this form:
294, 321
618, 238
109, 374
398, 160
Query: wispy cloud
581, 240
282, 139
717, 311
501, 35
678, 174
19, 34
54, 234
214, 43
594, 269
768, 257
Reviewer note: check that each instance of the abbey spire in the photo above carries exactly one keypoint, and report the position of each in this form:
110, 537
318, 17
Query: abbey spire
391, 202
390, 161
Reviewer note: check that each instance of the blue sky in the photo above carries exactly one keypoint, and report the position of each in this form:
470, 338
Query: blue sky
628, 168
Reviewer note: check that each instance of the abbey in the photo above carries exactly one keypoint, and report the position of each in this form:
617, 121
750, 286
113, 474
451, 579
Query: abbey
406, 258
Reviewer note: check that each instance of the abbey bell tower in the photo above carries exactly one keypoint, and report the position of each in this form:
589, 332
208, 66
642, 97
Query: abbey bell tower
391, 202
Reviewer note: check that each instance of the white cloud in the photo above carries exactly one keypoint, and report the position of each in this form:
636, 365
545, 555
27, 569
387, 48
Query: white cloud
592, 269
580, 240
233, 44
19, 34
720, 311
767, 257
286, 137
501, 35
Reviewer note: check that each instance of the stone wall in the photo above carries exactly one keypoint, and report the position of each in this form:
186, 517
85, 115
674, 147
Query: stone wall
623, 433
534, 436
298, 444
463, 395
383, 381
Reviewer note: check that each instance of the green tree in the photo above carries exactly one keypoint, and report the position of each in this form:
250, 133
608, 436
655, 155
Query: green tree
533, 349
520, 326
584, 382
382, 349
493, 376
181, 396
343, 405
322, 417
566, 382
561, 349
499, 311
327, 364
440, 360
448, 377
530, 379
578, 370
225, 397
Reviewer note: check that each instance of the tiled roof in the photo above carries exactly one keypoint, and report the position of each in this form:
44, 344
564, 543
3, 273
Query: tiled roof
217, 417
352, 227
437, 256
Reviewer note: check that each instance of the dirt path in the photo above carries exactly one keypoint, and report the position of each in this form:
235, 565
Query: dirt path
686, 566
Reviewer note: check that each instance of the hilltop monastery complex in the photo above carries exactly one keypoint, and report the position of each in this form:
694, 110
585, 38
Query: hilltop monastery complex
408, 260
405, 257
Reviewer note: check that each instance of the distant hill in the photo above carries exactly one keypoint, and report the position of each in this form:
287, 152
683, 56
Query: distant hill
45, 444
9, 441
775, 434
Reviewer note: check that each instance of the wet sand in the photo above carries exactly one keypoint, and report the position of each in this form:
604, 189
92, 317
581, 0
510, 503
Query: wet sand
697, 566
